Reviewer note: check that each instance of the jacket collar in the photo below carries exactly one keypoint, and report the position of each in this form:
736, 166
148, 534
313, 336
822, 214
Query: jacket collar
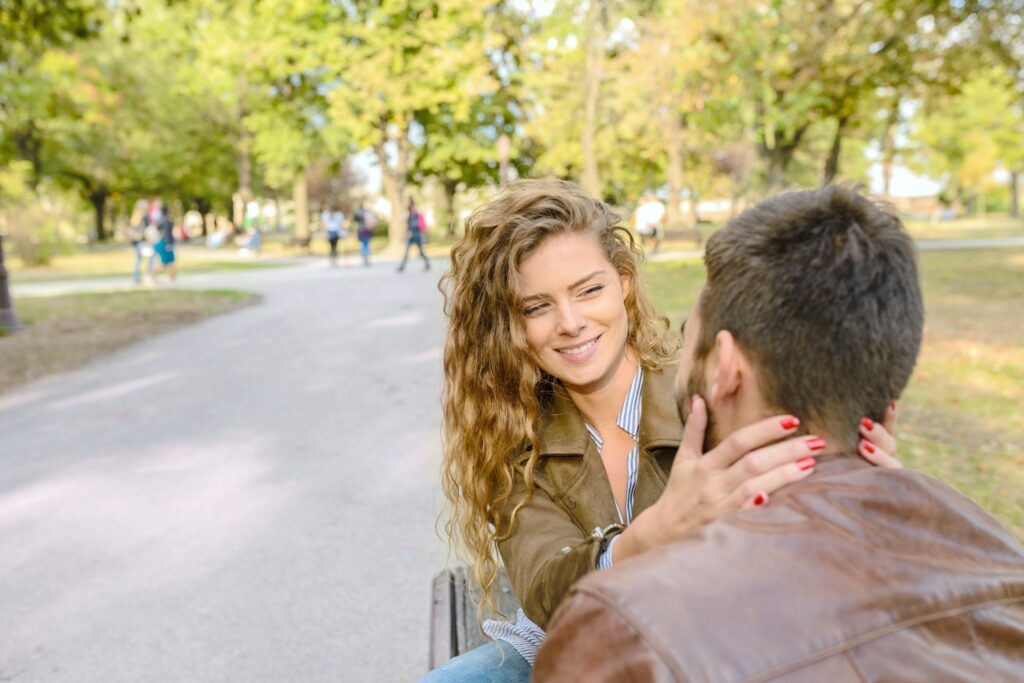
562, 431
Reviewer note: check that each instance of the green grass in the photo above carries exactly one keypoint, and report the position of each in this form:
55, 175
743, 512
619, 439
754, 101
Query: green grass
960, 418
65, 332
115, 261
976, 227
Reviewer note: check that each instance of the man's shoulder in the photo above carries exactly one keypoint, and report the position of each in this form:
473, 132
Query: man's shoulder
852, 553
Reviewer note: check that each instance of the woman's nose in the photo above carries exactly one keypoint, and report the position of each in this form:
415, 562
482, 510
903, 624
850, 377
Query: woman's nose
570, 322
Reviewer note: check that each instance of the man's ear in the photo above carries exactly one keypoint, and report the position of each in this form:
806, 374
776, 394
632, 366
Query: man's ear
725, 366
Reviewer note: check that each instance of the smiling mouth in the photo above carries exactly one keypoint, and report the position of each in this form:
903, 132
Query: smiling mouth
578, 350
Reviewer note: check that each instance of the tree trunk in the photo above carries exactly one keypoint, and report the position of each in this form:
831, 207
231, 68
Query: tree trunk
98, 199
394, 181
695, 209
300, 197
674, 172
29, 148
889, 149
777, 154
832, 163
591, 95
203, 207
450, 186
1015, 194
244, 168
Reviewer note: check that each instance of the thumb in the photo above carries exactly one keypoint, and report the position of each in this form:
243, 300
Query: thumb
692, 445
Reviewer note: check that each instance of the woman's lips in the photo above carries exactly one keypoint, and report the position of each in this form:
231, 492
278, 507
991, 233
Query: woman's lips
581, 352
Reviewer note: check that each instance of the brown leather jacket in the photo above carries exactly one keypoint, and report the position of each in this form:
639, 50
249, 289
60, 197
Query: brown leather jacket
552, 543
854, 574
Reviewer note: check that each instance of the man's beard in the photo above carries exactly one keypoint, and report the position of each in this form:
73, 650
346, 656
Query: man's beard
695, 385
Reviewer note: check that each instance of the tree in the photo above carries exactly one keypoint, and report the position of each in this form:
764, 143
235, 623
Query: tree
963, 137
384, 63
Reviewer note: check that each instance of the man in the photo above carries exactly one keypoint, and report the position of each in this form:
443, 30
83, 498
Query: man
417, 225
334, 224
648, 221
812, 306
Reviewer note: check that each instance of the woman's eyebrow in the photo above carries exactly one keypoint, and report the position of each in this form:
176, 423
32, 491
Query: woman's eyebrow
572, 286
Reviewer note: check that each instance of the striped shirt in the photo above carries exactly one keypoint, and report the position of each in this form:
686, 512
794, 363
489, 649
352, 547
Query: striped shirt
525, 636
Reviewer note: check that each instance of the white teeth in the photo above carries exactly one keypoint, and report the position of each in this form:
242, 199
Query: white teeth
579, 349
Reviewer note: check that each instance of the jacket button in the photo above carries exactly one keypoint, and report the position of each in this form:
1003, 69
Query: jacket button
570, 503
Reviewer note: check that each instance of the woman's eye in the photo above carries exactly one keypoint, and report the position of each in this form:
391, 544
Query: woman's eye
593, 290
534, 309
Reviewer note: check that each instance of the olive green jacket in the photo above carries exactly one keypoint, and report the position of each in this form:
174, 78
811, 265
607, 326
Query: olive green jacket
553, 543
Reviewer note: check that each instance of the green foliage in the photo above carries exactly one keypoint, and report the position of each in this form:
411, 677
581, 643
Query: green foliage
963, 137
38, 225
197, 100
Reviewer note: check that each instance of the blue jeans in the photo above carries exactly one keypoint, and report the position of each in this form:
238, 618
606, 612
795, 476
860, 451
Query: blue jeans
136, 269
483, 665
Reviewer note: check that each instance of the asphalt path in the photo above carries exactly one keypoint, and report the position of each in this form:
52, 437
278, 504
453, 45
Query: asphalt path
252, 498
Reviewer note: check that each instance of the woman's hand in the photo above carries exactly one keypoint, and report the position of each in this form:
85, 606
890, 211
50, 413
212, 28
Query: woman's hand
878, 441
743, 469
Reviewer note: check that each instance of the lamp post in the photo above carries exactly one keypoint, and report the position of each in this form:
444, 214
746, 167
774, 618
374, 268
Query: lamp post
8, 320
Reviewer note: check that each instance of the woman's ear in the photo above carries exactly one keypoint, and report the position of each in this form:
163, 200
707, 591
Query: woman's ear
627, 285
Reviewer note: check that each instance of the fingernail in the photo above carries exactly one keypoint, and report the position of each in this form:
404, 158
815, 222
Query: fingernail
867, 423
867, 446
760, 499
806, 463
815, 443
790, 422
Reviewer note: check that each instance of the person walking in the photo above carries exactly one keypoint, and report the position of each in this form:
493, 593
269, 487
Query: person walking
137, 236
417, 225
164, 246
649, 216
334, 224
365, 223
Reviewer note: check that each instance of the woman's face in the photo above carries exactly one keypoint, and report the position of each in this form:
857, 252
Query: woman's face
573, 305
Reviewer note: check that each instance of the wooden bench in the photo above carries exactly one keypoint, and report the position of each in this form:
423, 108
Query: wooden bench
453, 622
301, 241
693, 234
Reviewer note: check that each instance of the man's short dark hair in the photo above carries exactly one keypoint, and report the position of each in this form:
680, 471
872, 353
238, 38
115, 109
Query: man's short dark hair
821, 289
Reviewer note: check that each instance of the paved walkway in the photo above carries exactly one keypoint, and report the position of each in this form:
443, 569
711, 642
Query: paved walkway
249, 499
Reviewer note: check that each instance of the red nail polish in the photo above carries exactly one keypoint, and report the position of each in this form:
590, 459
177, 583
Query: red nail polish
867, 423
790, 422
760, 499
815, 443
867, 446
806, 463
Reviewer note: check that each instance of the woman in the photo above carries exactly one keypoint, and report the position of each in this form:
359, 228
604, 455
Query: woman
560, 417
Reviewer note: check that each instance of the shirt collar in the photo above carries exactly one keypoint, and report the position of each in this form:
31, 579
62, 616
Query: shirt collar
629, 415
562, 431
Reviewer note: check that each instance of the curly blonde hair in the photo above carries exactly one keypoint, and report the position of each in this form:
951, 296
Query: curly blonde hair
494, 391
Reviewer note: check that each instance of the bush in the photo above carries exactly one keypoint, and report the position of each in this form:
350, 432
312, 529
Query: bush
38, 224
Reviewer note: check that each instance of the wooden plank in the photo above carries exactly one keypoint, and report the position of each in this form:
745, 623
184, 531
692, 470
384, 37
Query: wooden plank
454, 628
442, 619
